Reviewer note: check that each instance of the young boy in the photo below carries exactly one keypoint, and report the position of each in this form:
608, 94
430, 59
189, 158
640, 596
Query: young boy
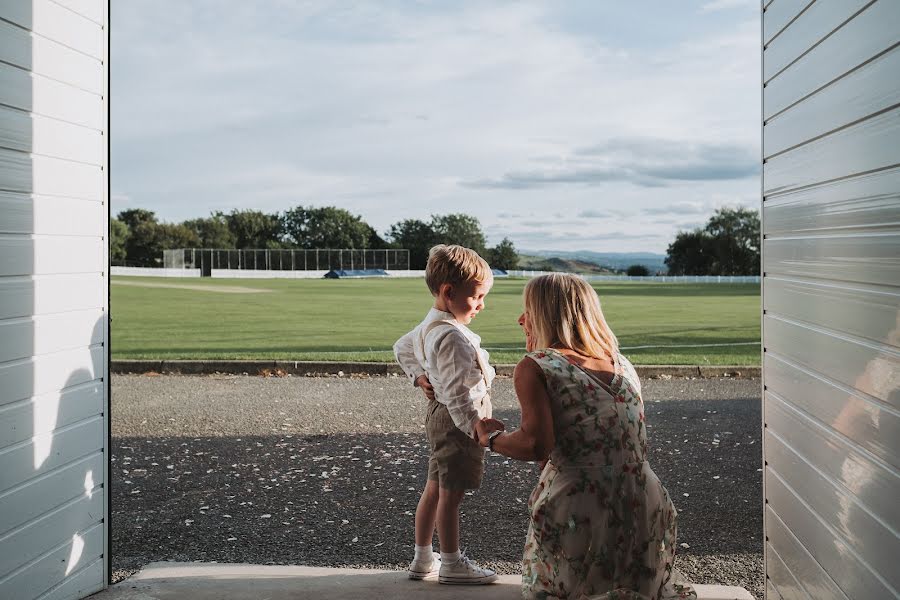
444, 358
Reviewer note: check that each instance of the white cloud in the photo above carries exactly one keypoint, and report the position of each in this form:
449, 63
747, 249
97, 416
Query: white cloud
642, 161
384, 109
717, 5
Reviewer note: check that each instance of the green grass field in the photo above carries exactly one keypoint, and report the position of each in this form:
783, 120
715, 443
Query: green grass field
359, 320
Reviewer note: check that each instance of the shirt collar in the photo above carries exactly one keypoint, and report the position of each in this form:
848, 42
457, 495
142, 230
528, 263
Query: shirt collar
439, 315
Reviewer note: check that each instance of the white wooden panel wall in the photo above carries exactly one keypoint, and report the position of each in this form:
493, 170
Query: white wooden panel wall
831, 298
53, 298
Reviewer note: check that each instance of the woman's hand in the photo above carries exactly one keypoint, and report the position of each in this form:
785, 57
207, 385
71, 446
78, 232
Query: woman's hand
485, 427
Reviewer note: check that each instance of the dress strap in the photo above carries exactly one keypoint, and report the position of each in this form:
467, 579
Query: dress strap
606, 386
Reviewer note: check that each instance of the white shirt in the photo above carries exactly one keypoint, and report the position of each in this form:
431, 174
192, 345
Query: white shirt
448, 352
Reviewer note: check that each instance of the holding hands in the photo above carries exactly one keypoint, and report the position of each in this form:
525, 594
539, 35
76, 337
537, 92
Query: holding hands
485, 427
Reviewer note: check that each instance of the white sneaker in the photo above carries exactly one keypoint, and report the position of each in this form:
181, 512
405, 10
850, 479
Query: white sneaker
465, 572
419, 569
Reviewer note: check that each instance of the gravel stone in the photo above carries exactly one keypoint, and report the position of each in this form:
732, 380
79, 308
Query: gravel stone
327, 472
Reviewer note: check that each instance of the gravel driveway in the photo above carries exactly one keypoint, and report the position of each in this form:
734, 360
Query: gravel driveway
327, 471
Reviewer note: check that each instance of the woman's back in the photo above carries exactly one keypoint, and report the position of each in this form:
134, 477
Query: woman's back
598, 418
601, 521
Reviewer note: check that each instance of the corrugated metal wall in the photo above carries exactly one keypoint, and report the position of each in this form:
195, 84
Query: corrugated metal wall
831, 298
53, 298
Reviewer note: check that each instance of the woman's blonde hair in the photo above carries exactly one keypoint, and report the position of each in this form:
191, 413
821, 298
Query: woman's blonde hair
564, 309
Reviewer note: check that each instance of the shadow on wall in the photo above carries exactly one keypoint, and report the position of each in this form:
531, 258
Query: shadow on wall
52, 327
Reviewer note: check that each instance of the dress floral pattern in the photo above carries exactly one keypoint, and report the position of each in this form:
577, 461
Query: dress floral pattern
602, 524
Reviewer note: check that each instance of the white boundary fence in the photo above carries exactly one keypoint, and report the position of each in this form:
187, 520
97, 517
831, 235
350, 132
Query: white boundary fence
153, 272
406, 273
654, 278
250, 274
276, 274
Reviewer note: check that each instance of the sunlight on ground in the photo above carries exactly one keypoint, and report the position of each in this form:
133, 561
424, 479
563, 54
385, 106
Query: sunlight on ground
224, 289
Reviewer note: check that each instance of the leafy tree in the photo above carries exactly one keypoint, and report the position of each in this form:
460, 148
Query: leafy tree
254, 229
459, 229
172, 235
213, 232
689, 254
376, 242
637, 271
735, 241
503, 256
146, 237
148, 240
135, 216
727, 245
118, 237
140, 245
326, 227
416, 236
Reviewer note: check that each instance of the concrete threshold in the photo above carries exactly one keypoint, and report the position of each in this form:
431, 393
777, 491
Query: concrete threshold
280, 368
211, 581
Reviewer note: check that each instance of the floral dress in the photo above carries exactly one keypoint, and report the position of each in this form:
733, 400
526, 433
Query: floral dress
602, 525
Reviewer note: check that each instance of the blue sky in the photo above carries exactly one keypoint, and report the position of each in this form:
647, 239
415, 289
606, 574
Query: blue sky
597, 125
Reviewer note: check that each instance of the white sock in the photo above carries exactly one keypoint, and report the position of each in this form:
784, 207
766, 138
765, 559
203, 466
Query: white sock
423, 552
449, 557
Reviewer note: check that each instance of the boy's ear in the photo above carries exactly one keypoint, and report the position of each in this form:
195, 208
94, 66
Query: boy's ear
446, 290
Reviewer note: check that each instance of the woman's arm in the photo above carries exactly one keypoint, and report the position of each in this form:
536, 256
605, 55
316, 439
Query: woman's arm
534, 439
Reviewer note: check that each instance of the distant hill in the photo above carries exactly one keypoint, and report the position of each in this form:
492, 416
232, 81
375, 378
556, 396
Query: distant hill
606, 261
566, 265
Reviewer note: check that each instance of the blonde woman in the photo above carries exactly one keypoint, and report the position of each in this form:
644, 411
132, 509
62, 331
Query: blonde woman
601, 523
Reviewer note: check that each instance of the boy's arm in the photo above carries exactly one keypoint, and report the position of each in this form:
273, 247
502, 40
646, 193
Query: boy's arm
458, 381
406, 357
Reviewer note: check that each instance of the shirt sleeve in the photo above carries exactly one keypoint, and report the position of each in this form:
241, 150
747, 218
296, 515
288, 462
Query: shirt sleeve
457, 379
406, 357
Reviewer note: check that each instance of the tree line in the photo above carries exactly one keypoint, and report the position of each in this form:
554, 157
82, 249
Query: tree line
729, 243
138, 238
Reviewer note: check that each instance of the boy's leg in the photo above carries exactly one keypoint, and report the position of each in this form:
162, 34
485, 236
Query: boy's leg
456, 568
458, 465
448, 519
426, 562
426, 513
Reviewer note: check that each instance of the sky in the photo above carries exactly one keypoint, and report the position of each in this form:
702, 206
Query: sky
596, 125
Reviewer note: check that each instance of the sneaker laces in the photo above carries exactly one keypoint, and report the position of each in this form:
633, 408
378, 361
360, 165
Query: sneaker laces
466, 562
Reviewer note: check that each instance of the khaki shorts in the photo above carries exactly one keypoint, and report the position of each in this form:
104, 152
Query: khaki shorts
456, 461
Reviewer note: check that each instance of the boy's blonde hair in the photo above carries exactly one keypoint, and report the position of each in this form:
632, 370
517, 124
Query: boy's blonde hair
564, 309
454, 265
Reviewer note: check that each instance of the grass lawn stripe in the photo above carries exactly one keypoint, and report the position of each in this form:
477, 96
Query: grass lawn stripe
359, 320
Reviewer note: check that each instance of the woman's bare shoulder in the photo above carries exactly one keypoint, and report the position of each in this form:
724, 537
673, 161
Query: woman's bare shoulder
528, 368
